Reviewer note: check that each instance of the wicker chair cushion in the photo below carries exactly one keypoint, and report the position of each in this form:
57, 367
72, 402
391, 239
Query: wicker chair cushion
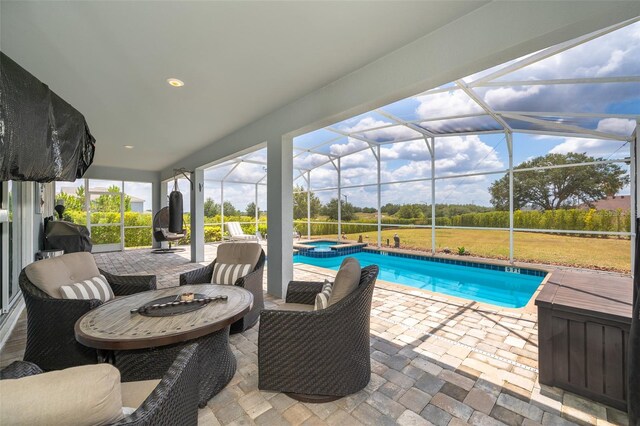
170, 235
225, 273
86, 395
51, 274
346, 281
322, 298
134, 393
94, 288
239, 253
295, 307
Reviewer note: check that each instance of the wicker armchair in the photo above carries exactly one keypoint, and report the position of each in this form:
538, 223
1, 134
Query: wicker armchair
317, 356
174, 401
51, 342
251, 282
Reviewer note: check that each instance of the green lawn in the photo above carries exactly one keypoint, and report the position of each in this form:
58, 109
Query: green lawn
584, 252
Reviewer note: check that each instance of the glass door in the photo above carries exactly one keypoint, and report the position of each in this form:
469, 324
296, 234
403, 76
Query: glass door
105, 204
10, 263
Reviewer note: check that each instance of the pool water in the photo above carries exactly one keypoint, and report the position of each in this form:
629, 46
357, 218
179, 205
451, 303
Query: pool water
506, 289
322, 243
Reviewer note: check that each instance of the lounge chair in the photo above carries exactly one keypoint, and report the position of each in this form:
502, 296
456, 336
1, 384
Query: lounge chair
317, 355
237, 234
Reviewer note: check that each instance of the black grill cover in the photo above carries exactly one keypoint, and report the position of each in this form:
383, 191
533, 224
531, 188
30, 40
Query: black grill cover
42, 138
67, 236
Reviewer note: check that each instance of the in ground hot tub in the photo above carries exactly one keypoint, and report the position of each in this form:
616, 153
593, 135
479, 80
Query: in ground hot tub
327, 248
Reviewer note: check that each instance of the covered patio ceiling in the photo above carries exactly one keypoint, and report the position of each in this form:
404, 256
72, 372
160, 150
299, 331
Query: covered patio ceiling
587, 88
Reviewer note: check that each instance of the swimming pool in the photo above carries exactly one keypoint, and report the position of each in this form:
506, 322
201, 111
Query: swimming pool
482, 283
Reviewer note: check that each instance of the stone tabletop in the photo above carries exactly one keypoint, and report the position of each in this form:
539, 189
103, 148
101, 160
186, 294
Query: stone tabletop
113, 326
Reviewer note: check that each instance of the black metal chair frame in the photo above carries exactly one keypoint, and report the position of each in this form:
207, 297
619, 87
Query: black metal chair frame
317, 356
173, 402
51, 342
251, 282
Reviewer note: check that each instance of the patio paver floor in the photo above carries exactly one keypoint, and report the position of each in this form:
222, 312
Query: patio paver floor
435, 361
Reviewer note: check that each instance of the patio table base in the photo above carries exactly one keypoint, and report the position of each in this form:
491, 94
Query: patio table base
217, 364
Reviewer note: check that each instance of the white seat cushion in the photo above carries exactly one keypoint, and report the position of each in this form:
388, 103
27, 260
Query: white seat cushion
51, 274
86, 395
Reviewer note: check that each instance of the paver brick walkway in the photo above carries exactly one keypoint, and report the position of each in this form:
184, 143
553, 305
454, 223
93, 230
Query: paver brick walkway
435, 361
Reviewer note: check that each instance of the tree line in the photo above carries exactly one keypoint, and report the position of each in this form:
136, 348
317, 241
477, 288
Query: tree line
564, 183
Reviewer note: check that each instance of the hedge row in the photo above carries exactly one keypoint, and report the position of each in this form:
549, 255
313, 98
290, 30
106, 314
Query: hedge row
569, 219
142, 237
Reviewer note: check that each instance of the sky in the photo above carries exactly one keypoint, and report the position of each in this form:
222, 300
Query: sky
616, 54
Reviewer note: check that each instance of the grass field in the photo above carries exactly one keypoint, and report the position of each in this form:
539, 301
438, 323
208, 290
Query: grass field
584, 252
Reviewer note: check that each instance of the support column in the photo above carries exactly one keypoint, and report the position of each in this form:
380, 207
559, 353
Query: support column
433, 195
379, 200
633, 186
158, 201
221, 210
309, 205
280, 214
510, 148
339, 201
197, 215
256, 209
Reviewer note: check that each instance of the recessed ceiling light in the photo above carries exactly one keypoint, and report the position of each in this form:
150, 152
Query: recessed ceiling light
175, 82
128, 146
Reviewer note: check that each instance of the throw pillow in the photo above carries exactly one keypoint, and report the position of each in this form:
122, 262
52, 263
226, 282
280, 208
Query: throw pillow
94, 288
322, 298
347, 280
227, 273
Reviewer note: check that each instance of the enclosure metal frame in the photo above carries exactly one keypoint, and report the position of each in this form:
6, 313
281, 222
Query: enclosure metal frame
489, 80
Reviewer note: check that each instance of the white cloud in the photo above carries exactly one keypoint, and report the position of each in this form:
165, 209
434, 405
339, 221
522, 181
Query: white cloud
592, 147
499, 98
618, 126
460, 154
454, 102
414, 150
598, 147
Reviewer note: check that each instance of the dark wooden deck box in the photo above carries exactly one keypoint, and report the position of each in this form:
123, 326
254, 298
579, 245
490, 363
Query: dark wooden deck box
583, 330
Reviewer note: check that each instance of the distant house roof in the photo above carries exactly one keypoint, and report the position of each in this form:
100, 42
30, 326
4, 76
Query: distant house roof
622, 202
